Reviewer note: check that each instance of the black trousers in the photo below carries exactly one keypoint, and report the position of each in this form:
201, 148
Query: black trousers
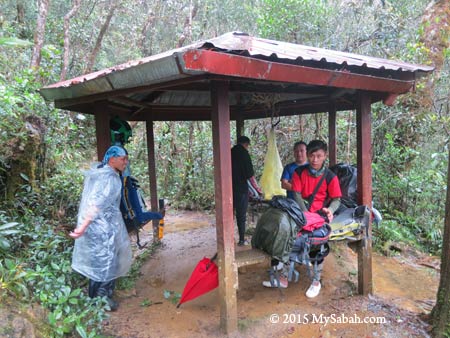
100, 289
240, 204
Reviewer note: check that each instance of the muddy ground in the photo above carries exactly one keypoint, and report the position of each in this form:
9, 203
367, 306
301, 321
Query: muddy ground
404, 293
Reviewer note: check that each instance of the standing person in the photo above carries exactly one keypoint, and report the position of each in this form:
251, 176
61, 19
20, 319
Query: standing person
102, 250
316, 177
288, 171
242, 170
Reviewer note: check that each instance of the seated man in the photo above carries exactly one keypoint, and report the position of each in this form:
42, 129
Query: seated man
316, 189
288, 171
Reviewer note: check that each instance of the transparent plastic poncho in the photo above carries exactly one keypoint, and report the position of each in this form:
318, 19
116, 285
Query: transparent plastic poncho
103, 252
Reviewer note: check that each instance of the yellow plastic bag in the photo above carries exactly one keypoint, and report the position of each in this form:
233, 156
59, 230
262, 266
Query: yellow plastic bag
270, 179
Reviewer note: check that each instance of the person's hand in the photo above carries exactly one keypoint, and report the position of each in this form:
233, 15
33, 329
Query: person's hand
328, 213
76, 234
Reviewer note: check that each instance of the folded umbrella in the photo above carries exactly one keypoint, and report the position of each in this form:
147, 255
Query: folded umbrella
204, 278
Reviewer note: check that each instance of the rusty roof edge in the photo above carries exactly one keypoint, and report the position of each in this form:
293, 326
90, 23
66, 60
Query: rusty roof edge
121, 67
107, 80
253, 45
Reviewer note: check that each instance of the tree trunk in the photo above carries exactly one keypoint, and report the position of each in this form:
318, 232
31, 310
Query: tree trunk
441, 311
186, 186
67, 17
318, 131
20, 19
349, 135
40, 33
187, 30
301, 124
26, 151
142, 40
98, 44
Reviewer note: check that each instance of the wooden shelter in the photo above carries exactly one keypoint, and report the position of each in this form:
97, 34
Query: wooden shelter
218, 80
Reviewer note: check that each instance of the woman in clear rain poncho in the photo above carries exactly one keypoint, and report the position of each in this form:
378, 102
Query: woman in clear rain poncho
102, 250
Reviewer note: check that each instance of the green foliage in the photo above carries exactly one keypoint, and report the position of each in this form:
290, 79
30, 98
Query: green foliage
14, 42
285, 19
12, 279
43, 274
411, 190
6, 230
173, 296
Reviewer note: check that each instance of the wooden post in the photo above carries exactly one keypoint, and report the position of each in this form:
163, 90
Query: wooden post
239, 127
364, 151
152, 175
220, 117
102, 133
332, 158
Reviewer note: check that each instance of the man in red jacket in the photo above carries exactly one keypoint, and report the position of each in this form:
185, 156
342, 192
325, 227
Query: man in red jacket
316, 189
316, 177
319, 188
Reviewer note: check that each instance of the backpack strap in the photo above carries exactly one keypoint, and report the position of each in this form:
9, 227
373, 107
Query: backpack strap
316, 188
328, 175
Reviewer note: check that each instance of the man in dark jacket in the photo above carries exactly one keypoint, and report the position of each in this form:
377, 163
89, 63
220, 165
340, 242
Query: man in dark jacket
242, 170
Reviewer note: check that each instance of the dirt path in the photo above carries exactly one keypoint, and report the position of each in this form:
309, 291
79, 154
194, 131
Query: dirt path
402, 294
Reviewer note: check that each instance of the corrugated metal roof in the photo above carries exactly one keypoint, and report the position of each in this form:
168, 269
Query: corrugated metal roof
254, 46
180, 77
243, 44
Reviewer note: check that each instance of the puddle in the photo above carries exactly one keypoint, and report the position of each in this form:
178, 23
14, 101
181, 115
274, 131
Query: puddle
406, 286
181, 221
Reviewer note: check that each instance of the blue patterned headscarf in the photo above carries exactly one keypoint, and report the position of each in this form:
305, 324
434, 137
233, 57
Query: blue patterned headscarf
114, 151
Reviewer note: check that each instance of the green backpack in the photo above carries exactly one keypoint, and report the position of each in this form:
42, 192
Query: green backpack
275, 234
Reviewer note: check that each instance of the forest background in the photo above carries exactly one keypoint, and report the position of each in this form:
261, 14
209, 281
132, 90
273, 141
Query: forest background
42, 149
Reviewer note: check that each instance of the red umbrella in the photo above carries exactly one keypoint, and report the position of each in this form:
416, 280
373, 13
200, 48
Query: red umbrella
204, 278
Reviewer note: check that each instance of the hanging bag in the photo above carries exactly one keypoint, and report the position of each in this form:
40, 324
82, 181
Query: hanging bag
270, 179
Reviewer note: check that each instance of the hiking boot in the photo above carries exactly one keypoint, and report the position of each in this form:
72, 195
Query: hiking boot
314, 289
113, 305
283, 283
243, 243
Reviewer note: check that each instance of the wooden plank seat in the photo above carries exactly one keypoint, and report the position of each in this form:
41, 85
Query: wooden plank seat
250, 257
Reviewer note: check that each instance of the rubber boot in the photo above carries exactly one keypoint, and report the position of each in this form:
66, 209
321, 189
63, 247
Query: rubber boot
106, 289
103, 289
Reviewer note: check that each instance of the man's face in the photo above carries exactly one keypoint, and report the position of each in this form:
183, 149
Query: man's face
317, 158
300, 154
118, 163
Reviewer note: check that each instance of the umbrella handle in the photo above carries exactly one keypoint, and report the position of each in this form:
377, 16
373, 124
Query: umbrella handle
213, 258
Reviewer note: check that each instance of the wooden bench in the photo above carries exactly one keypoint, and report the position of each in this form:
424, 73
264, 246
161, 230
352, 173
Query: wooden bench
250, 257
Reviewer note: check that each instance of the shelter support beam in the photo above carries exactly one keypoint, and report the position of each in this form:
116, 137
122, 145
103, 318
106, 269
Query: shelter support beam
364, 152
152, 175
332, 135
102, 133
220, 117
